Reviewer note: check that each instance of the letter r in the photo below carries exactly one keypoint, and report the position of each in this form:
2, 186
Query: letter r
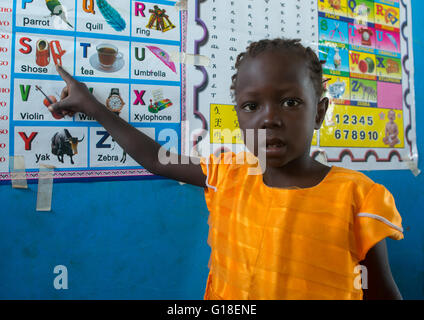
380, 10
139, 9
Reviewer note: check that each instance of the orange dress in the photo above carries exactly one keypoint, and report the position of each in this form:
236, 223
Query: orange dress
273, 243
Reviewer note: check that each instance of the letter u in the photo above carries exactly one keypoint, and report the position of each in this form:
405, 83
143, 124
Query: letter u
379, 36
143, 54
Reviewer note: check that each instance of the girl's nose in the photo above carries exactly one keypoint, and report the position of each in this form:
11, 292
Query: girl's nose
271, 117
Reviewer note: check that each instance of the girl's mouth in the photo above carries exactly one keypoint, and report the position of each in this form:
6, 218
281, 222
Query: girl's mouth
274, 148
274, 145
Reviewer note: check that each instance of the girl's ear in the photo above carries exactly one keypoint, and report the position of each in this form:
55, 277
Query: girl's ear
321, 110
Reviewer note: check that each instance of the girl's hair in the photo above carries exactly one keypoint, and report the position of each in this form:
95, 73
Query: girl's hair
291, 45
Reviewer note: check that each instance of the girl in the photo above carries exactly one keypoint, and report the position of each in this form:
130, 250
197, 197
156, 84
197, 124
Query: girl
300, 230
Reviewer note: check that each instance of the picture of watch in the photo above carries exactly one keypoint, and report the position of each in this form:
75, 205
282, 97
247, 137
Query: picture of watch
115, 103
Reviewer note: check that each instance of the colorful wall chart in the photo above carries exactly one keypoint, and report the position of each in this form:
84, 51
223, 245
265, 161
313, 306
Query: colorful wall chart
127, 52
367, 49
120, 48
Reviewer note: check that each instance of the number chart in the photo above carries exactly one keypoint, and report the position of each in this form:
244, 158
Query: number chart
121, 49
366, 49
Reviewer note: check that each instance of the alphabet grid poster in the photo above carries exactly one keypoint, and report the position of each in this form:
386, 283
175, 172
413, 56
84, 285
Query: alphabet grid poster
127, 52
367, 46
120, 48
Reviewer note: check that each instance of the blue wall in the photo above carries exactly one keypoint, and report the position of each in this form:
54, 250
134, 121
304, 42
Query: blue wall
147, 239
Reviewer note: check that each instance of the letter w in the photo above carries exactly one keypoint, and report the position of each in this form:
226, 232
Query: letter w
355, 57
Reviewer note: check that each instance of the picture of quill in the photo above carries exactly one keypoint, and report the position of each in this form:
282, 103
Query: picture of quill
112, 17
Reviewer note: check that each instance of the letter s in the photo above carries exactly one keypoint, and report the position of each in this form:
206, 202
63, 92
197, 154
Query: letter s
28, 49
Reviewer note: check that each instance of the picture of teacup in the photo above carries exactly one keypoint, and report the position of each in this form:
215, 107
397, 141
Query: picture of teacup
107, 53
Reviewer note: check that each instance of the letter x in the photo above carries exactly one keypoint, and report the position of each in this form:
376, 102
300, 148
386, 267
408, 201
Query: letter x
139, 97
380, 62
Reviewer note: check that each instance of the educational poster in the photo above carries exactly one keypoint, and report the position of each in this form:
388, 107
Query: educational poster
367, 49
165, 66
121, 49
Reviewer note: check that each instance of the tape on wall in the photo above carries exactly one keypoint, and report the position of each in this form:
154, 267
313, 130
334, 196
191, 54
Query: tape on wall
412, 165
45, 188
181, 5
17, 172
188, 58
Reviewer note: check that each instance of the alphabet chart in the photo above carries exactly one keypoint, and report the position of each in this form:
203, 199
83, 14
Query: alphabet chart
121, 49
367, 49
132, 56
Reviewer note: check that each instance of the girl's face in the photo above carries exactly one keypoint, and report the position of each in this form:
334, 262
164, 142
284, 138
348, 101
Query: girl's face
274, 91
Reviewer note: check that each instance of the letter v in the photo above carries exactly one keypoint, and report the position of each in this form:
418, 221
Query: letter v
25, 91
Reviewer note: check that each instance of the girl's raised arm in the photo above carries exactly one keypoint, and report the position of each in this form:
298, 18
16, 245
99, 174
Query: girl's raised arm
76, 97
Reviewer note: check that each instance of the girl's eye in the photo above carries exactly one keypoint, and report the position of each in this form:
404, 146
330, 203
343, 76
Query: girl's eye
249, 107
290, 103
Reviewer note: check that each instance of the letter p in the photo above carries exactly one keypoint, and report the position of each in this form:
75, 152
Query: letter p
24, 3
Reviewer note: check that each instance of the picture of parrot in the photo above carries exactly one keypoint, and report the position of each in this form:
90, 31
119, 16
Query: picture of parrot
57, 9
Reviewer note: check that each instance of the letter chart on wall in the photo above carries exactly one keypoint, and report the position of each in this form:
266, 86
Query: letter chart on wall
367, 46
128, 54
120, 48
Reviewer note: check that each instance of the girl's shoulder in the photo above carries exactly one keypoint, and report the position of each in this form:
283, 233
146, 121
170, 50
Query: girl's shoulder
344, 175
366, 194
352, 184
217, 167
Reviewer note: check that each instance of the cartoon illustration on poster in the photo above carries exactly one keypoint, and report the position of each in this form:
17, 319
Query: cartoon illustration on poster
361, 11
336, 57
362, 37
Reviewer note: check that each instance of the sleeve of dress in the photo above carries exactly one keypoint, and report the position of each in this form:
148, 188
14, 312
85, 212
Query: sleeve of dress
377, 219
215, 169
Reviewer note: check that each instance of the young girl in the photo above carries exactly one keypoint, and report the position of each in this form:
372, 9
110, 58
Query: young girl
300, 230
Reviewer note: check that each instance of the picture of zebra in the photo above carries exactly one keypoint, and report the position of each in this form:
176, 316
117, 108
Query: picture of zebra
368, 91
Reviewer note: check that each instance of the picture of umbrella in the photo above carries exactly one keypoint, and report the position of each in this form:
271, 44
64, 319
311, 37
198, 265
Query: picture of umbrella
163, 56
392, 40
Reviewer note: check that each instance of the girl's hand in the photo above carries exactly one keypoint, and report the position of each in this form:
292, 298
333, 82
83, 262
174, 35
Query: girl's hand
75, 97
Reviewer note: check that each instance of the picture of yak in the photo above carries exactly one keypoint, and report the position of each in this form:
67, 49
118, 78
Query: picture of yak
64, 144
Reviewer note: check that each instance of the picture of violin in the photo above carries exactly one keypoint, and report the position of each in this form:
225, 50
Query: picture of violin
49, 100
